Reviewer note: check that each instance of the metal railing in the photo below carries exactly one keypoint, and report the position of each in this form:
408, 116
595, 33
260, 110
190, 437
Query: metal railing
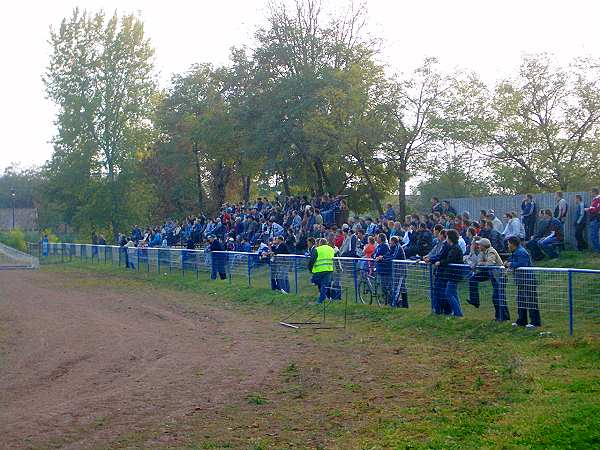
562, 294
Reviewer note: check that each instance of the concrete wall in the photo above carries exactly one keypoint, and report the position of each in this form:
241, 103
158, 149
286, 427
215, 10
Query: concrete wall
25, 218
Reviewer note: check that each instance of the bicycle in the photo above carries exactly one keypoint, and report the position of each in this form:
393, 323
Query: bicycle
369, 288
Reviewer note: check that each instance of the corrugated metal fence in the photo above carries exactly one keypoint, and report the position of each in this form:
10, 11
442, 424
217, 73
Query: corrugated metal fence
510, 203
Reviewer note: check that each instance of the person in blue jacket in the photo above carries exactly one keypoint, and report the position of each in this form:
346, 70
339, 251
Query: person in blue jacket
526, 283
399, 273
217, 260
383, 267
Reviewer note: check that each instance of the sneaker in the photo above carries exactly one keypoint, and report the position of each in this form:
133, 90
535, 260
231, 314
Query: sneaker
515, 324
284, 291
530, 326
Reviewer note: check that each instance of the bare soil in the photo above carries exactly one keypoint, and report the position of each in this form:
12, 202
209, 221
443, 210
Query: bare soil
97, 362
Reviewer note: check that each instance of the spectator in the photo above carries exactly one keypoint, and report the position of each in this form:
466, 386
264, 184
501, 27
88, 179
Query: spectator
439, 304
436, 206
580, 222
390, 214
280, 266
594, 214
498, 226
217, 259
448, 209
320, 264
383, 267
561, 208
527, 301
399, 289
528, 215
489, 266
452, 273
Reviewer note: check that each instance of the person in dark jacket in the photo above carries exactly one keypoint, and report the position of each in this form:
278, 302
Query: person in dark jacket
439, 304
279, 266
528, 215
527, 298
580, 223
399, 273
424, 240
452, 273
217, 260
383, 267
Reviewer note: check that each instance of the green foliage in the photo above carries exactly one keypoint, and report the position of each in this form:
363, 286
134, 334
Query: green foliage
100, 76
14, 239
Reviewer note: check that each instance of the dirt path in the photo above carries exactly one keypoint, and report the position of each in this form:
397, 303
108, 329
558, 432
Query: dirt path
106, 362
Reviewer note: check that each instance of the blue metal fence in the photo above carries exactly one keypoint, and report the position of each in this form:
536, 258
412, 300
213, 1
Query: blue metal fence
563, 293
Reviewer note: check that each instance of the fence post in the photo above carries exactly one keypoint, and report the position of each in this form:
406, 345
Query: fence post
228, 266
355, 275
431, 285
249, 271
571, 303
295, 274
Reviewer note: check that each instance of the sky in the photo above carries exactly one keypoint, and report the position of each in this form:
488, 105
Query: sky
488, 37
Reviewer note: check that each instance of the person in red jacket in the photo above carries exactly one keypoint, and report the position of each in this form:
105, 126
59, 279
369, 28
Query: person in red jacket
594, 214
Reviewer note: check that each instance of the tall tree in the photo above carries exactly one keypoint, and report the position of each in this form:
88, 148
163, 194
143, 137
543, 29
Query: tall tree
541, 126
100, 76
419, 102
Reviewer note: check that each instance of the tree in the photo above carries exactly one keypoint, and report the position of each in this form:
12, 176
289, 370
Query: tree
541, 127
418, 106
100, 76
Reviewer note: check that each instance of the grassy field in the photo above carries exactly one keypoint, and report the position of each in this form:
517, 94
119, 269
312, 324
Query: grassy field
476, 383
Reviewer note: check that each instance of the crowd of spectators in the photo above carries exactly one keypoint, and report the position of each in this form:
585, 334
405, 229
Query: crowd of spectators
441, 237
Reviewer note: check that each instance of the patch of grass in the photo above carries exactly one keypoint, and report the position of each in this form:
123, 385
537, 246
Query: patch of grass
256, 399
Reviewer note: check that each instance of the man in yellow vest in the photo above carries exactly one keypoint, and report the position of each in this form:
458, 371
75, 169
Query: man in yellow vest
320, 264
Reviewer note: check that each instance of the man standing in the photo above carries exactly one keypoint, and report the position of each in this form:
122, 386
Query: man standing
217, 258
527, 297
279, 266
594, 213
321, 266
384, 267
528, 215
560, 211
580, 223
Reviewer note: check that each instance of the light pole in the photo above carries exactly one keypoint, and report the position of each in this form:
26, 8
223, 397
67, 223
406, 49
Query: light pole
13, 195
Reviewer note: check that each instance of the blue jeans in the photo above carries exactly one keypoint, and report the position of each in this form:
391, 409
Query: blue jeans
549, 246
323, 282
439, 294
452, 297
594, 239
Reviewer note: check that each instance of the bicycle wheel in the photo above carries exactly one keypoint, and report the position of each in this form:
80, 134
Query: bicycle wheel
377, 293
364, 291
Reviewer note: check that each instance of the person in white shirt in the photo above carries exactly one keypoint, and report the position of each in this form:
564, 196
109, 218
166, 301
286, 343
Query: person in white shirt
497, 223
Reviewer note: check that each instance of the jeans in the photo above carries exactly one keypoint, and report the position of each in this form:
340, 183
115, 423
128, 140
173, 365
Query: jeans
580, 236
498, 281
527, 299
549, 245
439, 295
535, 250
323, 282
594, 239
452, 297
400, 294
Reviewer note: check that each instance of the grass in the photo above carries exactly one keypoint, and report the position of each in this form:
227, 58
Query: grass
476, 383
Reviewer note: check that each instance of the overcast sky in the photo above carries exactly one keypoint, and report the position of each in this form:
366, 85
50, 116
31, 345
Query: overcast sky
486, 36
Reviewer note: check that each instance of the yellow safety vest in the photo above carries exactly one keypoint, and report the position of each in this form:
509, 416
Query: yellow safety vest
324, 261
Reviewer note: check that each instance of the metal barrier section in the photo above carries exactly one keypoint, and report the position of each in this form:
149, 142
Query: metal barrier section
521, 295
11, 258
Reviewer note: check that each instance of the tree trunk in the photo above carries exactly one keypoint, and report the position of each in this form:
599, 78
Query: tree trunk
402, 179
196, 150
319, 188
246, 188
370, 187
286, 183
221, 176
113, 202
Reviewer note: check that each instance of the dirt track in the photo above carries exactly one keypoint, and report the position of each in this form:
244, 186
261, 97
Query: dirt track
81, 365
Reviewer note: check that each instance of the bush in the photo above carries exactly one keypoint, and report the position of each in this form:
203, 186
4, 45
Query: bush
14, 239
